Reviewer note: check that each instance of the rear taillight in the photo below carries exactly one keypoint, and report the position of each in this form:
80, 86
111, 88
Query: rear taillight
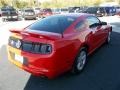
45, 48
39, 48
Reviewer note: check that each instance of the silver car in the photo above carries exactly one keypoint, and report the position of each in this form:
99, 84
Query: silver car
29, 14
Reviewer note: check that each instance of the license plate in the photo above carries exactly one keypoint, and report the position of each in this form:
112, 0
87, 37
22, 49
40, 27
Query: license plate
30, 14
14, 16
19, 58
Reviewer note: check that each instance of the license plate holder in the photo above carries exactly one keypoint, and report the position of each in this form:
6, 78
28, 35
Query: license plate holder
19, 58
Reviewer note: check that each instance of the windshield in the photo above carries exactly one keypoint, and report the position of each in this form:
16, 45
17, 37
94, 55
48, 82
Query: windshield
56, 24
63, 9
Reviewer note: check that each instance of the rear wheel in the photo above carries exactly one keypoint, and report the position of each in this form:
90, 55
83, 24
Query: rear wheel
80, 61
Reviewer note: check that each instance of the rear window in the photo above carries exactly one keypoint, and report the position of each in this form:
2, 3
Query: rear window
63, 9
8, 9
92, 9
55, 24
37, 8
29, 10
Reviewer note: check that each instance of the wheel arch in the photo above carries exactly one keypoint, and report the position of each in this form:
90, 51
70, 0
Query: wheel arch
85, 46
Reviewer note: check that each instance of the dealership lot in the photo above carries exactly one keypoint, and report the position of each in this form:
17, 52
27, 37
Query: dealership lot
101, 73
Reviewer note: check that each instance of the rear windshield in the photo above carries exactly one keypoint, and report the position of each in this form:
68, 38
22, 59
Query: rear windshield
37, 8
29, 10
64, 9
8, 9
92, 9
55, 24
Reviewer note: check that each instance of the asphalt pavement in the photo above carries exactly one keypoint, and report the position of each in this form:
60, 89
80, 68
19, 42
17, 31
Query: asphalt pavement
102, 71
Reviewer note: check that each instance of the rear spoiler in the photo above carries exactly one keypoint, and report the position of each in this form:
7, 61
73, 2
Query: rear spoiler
15, 31
30, 34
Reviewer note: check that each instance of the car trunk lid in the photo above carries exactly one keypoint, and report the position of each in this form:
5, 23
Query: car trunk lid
36, 35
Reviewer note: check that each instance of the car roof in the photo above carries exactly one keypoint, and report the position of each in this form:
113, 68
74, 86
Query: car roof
76, 15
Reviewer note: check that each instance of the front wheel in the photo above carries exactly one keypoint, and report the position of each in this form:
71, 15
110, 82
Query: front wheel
108, 38
80, 61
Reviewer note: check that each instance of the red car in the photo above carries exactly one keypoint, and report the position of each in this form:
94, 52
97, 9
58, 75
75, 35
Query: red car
57, 44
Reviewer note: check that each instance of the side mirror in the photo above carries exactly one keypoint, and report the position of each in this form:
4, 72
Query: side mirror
98, 24
103, 23
94, 25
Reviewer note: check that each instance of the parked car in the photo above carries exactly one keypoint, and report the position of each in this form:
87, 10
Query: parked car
56, 11
77, 9
64, 10
37, 10
118, 10
29, 14
57, 44
110, 10
45, 13
73, 9
98, 11
9, 13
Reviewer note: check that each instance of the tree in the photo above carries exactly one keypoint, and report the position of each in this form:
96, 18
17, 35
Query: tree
3, 3
109, 0
46, 4
17, 4
97, 2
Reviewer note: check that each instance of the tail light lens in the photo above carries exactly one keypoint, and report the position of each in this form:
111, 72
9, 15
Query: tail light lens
39, 48
45, 48
32, 47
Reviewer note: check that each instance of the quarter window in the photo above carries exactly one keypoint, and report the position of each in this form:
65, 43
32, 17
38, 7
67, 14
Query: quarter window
92, 20
79, 26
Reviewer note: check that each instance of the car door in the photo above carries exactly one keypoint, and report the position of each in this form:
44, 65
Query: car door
96, 32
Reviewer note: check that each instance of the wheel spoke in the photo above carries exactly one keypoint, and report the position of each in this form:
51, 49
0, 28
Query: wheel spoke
81, 60
109, 36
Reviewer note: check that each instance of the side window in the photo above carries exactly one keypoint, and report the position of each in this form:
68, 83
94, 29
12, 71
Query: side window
79, 26
92, 20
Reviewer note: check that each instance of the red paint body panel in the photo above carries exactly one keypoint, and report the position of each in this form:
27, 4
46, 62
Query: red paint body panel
64, 49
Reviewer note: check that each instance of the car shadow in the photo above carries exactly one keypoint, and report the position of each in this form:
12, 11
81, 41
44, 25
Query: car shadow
101, 72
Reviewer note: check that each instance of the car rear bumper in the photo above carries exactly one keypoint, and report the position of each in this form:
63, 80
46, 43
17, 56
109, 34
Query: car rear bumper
29, 17
38, 65
100, 14
10, 17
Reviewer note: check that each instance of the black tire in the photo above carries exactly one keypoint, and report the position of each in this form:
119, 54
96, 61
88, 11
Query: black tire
79, 64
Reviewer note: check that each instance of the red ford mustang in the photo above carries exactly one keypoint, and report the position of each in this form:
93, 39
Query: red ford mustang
56, 44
